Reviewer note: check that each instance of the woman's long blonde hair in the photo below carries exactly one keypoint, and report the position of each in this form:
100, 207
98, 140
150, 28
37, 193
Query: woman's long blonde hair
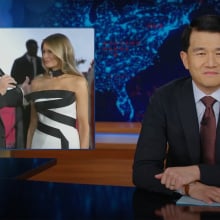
61, 47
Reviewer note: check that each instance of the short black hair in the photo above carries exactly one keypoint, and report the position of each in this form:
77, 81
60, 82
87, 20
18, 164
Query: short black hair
30, 42
208, 23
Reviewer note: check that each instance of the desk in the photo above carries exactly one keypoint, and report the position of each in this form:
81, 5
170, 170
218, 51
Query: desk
22, 199
148, 205
22, 168
99, 166
60, 201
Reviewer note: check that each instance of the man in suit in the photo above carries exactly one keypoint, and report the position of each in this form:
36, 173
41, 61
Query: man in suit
28, 65
168, 154
12, 96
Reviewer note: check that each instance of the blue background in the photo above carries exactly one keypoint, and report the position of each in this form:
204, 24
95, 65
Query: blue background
137, 43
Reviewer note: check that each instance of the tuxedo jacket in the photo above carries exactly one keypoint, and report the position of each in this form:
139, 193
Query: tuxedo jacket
170, 136
13, 98
22, 67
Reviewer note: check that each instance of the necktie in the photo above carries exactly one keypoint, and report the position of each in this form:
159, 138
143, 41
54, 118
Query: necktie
208, 131
33, 67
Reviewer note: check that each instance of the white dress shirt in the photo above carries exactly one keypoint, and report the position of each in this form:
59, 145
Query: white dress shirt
200, 107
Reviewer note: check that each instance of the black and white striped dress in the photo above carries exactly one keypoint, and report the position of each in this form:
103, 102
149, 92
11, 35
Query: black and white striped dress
56, 128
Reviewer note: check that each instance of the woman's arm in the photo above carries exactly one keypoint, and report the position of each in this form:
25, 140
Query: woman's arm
32, 126
82, 109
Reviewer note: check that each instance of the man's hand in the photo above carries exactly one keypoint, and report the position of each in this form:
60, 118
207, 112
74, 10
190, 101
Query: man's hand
6, 82
204, 192
175, 178
25, 86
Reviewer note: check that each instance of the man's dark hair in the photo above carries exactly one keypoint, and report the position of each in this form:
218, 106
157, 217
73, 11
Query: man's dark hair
31, 42
207, 23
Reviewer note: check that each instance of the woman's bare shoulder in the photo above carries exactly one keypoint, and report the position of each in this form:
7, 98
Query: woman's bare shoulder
77, 79
76, 83
38, 77
37, 81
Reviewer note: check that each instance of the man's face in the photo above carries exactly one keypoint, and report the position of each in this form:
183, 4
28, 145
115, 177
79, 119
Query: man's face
203, 60
32, 50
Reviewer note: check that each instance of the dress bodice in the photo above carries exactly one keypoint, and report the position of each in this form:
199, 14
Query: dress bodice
56, 111
58, 105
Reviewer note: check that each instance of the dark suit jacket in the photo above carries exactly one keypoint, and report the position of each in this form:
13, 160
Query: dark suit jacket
22, 67
171, 120
13, 98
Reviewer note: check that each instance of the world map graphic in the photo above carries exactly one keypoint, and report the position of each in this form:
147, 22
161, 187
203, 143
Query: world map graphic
128, 36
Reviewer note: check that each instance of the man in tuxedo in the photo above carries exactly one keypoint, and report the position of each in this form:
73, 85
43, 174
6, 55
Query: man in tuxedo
12, 96
169, 153
28, 65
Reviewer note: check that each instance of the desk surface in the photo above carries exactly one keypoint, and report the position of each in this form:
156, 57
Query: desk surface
22, 199
156, 206
22, 168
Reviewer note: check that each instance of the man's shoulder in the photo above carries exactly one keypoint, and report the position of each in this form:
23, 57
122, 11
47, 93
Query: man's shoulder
38, 58
175, 84
174, 88
20, 59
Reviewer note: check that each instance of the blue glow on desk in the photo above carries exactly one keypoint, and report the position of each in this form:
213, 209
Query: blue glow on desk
116, 138
59, 201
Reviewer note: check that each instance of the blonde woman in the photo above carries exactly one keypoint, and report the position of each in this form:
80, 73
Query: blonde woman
59, 100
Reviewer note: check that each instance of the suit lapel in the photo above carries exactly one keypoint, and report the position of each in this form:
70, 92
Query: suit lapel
188, 117
218, 142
